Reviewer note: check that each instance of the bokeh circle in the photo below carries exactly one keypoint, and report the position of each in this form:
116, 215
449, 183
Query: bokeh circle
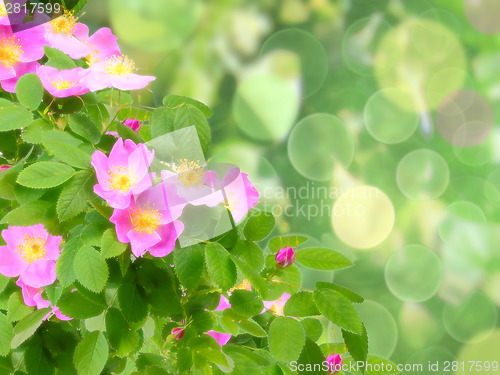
422, 175
363, 217
317, 143
483, 15
413, 273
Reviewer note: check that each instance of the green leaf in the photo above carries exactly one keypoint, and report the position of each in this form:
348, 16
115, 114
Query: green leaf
68, 154
27, 326
16, 308
75, 195
320, 258
258, 283
286, 338
6, 335
162, 122
186, 116
175, 101
61, 136
37, 362
83, 125
110, 246
188, 265
374, 363
250, 253
354, 297
259, 226
357, 345
312, 327
36, 131
27, 214
279, 242
120, 336
220, 267
45, 174
251, 354
251, 327
246, 303
127, 133
203, 321
14, 117
64, 265
29, 91
338, 309
81, 305
90, 269
301, 304
91, 354
132, 302
58, 59
311, 355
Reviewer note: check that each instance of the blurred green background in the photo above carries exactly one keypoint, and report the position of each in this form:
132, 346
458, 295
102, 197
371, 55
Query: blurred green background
370, 126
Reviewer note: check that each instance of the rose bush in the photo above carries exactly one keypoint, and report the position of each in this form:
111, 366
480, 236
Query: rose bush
124, 250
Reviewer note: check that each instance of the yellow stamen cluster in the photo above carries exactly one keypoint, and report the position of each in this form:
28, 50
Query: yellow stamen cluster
277, 307
119, 66
92, 58
10, 51
3, 11
189, 172
144, 220
64, 24
245, 284
231, 202
121, 179
62, 84
31, 248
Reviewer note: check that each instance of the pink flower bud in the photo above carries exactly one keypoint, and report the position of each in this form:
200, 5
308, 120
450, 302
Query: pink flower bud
178, 333
285, 257
334, 363
133, 124
4, 167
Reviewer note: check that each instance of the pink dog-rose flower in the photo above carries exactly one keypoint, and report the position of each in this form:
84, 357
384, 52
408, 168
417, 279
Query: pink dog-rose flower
102, 43
59, 33
276, 306
62, 83
334, 364
116, 71
148, 223
22, 47
221, 338
31, 253
20, 69
285, 257
123, 173
178, 333
33, 297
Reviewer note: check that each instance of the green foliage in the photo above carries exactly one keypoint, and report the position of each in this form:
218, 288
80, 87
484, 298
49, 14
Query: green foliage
357, 344
6, 335
220, 266
121, 337
27, 326
16, 308
64, 267
245, 303
110, 246
189, 265
259, 225
58, 59
132, 302
311, 354
13, 116
286, 339
29, 91
81, 305
85, 127
91, 354
90, 269
45, 174
322, 259
279, 242
75, 195
338, 309
68, 154
301, 304
38, 361
188, 115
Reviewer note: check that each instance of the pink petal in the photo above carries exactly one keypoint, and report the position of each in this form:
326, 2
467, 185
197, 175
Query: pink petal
168, 234
32, 41
140, 242
52, 250
100, 164
40, 273
221, 338
68, 44
131, 82
121, 219
223, 303
114, 198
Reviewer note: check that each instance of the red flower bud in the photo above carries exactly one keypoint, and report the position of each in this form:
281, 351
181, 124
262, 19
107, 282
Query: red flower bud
178, 333
4, 167
285, 257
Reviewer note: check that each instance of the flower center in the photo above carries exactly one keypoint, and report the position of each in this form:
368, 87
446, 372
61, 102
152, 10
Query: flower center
10, 51
189, 172
121, 179
145, 220
3, 11
31, 248
62, 84
64, 24
119, 66
231, 202
92, 58
277, 307
245, 284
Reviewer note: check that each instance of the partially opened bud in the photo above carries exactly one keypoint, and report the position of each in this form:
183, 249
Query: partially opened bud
4, 167
334, 364
285, 257
178, 333
133, 124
